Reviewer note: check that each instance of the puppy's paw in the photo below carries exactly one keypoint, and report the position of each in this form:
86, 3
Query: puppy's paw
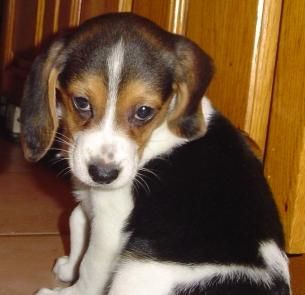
64, 269
45, 291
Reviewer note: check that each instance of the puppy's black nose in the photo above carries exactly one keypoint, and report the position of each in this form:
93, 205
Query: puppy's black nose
103, 173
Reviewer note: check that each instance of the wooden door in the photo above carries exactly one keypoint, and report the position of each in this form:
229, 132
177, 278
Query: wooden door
27, 24
285, 154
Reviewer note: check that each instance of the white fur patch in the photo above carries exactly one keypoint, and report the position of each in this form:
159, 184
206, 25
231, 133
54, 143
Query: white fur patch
66, 266
115, 64
275, 259
151, 277
88, 145
107, 211
110, 209
162, 140
207, 109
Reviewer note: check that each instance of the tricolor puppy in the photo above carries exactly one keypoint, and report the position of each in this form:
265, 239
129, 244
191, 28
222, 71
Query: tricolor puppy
171, 199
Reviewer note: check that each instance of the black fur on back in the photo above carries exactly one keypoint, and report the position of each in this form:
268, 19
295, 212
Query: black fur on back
205, 202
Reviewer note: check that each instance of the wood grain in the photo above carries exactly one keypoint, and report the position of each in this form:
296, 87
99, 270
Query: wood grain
7, 29
296, 242
50, 22
285, 154
178, 12
92, 8
262, 70
65, 14
226, 30
75, 11
40, 13
157, 10
125, 5
24, 28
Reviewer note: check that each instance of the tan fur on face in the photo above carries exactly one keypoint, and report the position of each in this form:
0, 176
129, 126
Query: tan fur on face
135, 94
182, 101
91, 87
132, 95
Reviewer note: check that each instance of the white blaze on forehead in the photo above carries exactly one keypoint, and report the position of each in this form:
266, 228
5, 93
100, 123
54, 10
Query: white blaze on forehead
115, 64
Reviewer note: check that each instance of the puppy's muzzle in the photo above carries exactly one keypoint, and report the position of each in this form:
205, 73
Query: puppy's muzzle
103, 173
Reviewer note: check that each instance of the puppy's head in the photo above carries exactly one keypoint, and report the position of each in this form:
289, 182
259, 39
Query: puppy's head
113, 82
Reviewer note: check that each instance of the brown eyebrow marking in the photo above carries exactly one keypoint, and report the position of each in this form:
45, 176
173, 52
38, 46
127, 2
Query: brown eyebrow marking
91, 86
136, 93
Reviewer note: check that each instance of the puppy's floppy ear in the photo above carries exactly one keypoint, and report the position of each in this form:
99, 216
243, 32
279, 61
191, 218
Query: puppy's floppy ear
38, 106
193, 73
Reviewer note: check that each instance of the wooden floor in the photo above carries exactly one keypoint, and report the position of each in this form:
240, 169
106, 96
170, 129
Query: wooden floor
35, 205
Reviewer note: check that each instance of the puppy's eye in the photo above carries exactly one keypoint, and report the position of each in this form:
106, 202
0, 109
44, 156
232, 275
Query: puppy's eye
81, 104
144, 113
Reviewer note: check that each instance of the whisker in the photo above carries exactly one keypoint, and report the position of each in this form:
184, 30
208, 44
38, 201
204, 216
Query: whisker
163, 158
59, 159
60, 137
143, 182
63, 135
135, 183
150, 171
64, 172
139, 185
60, 140
56, 161
59, 149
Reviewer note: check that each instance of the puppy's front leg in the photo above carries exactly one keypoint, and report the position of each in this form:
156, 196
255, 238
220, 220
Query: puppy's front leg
66, 267
110, 211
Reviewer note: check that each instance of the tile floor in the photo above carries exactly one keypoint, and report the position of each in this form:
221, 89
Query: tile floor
34, 210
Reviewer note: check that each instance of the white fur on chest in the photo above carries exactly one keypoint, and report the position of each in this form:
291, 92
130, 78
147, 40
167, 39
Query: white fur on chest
110, 207
107, 213
110, 210
163, 141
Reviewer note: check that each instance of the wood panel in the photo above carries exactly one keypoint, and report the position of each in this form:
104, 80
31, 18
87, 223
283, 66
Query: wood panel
125, 5
178, 16
285, 156
262, 70
91, 8
157, 10
241, 36
69, 13
226, 30
28, 23
7, 29
50, 25
24, 27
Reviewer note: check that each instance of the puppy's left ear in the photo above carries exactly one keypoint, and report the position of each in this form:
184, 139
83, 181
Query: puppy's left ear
38, 118
193, 73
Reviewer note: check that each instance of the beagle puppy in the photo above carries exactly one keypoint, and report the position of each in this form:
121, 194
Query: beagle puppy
171, 199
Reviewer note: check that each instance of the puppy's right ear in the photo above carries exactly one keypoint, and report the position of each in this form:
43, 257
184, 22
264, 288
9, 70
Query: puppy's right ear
38, 118
193, 74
